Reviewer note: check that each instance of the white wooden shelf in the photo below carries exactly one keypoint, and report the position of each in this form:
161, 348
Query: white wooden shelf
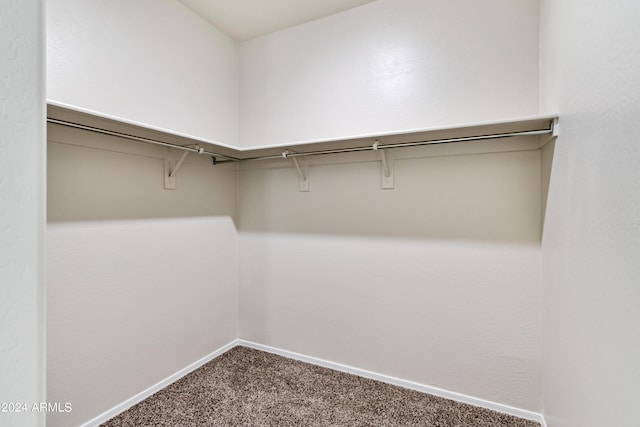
536, 126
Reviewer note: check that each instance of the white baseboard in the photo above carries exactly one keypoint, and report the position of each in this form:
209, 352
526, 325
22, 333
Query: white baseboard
118, 409
543, 422
458, 397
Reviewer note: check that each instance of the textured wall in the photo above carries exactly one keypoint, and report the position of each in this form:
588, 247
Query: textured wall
436, 281
391, 65
591, 244
95, 177
22, 165
153, 62
384, 67
142, 281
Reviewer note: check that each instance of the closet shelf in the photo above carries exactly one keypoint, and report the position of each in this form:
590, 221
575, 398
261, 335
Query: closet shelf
542, 125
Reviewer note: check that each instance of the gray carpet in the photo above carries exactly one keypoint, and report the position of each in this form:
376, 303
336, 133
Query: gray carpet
247, 387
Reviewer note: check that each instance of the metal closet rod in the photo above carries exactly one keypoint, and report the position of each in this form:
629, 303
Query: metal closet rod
141, 139
288, 154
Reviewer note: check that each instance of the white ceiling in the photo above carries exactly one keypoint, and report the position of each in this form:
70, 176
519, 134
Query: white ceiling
245, 19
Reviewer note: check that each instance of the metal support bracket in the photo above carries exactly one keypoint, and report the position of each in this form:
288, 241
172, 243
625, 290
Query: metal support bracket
171, 169
387, 182
303, 172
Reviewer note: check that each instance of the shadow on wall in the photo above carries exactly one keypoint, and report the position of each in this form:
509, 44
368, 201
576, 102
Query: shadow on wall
546, 164
95, 177
440, 192
436, 281
489, 197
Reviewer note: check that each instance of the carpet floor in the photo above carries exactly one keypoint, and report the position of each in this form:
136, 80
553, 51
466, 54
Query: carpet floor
247, 387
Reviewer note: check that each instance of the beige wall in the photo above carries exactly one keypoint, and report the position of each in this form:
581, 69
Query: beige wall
22, 215
435, 281
388, 66
153, 63
590, 65
142, 281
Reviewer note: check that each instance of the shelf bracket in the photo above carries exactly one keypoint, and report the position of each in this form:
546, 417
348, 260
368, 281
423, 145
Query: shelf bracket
170, 171
303, 172
387, 167
171, 168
